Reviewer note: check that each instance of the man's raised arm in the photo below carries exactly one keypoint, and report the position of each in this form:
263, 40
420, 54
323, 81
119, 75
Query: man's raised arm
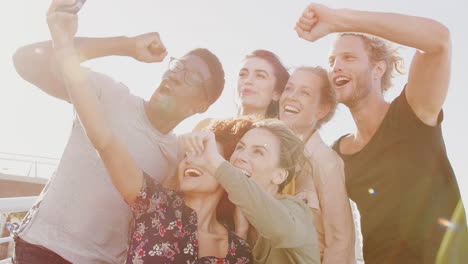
429, 74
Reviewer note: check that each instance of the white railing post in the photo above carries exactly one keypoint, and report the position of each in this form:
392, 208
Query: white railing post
13, 205
16, 204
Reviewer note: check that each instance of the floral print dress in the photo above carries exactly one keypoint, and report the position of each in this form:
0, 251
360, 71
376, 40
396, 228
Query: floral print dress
164, 231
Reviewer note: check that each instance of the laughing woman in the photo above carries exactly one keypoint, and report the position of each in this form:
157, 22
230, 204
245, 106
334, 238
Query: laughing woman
263, 162
170, 226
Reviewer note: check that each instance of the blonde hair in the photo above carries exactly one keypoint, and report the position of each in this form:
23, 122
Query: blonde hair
381, 50
327, 93
291, 156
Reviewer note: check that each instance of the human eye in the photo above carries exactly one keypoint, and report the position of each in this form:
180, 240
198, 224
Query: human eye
242, 74
261, 76
239, 147
305, 92
258, 152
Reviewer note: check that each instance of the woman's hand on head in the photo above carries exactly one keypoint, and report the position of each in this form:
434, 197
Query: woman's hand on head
202, 144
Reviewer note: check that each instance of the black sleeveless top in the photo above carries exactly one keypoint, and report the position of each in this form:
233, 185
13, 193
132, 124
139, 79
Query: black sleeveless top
404, 187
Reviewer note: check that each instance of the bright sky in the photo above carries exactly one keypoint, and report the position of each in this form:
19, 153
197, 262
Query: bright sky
34, 123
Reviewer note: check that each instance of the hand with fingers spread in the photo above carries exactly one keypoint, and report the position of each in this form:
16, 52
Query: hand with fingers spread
149, 48
62, 26
316, 22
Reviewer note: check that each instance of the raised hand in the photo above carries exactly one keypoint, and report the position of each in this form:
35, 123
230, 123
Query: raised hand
62, 26
149, 48
316, 22
202, 144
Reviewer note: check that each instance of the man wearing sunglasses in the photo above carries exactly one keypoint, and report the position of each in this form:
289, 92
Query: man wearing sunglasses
80, 217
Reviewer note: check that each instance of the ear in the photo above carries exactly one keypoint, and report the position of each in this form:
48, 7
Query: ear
379, 69
323, 110
280, 176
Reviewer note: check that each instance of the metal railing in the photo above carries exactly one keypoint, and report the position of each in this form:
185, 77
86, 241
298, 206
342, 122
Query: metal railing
27, 165
14, 205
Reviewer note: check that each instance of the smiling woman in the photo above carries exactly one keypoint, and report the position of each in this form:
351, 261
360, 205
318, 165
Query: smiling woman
264, 160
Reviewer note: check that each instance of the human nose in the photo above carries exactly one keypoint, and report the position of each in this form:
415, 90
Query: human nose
248, 79
337, 65
292, 94
242, 156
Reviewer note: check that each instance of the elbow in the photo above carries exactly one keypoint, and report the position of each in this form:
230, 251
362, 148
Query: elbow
443, 42
20, 62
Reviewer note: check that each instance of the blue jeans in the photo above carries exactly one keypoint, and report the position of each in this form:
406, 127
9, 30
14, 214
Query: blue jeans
26, 253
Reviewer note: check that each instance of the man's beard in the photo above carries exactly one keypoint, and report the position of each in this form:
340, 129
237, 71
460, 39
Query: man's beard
361, 90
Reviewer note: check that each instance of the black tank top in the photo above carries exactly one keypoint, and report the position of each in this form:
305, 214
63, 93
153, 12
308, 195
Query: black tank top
404, 187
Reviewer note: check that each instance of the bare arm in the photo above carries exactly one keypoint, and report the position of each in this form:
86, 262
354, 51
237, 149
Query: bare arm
429, 73
37, 63
338, 221
124, 172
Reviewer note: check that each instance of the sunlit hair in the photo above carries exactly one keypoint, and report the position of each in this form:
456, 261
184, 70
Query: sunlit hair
291, 156
381, 50
281, 77
227, 133
216, 71
327, 94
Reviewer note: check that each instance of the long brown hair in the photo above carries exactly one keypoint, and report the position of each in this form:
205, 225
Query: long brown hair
281, 76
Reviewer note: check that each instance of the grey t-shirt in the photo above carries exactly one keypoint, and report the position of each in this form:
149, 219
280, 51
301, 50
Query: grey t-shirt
80, 215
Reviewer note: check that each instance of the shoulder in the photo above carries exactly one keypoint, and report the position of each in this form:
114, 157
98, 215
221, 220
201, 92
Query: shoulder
403, 115
202, 124
105, 83
324, 157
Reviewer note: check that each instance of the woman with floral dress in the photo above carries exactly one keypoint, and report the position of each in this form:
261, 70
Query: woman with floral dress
170, 226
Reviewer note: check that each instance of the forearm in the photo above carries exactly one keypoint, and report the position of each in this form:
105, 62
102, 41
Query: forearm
337, 219
84, 98
269, 216
421, 33
37, 63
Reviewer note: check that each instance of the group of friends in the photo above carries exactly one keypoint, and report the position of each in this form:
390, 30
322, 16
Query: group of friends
261, 187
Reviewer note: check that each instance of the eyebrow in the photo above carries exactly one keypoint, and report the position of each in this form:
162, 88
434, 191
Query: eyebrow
257, 71
254, 146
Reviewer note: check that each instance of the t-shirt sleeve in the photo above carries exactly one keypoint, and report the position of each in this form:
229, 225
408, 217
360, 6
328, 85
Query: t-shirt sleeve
286, 222
153, 196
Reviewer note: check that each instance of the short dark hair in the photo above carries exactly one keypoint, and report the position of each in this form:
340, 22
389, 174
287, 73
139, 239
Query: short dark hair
281, 75
214, 90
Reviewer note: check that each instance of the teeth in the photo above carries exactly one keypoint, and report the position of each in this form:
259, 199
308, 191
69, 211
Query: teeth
192, 172
291, 109
339, 79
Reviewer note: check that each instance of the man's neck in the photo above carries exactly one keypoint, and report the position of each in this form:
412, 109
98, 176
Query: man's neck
162, 125
368, 114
